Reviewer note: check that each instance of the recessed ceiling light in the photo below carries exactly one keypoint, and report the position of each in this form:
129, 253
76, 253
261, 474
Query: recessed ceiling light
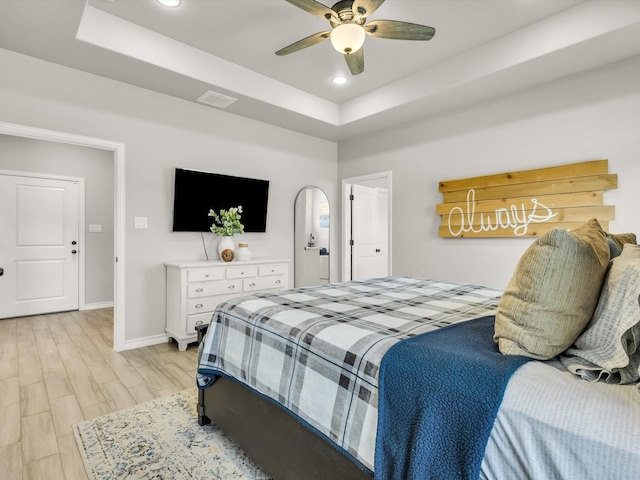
170, 3
339, 80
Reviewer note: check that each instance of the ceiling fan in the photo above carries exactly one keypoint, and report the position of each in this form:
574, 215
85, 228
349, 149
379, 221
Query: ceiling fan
348, 19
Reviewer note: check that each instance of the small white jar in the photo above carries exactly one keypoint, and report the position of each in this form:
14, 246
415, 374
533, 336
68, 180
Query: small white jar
243, 253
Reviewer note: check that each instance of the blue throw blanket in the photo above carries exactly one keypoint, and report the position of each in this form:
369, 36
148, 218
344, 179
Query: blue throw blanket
439, 395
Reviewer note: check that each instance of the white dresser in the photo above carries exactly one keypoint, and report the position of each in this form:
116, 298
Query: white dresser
194, 289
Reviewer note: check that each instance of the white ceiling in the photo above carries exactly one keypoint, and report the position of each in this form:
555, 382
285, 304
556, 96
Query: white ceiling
482, 48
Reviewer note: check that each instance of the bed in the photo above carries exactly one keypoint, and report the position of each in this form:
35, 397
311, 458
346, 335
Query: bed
293, 379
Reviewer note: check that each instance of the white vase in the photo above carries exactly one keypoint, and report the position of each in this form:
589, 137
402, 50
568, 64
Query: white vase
243, 253
225, 243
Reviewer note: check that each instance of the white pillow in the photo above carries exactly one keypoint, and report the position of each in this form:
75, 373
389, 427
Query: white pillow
609, 348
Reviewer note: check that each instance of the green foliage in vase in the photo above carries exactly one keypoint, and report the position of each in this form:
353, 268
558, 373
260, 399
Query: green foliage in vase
227, 223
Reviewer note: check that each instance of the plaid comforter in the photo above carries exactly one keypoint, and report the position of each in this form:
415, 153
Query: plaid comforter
317, 350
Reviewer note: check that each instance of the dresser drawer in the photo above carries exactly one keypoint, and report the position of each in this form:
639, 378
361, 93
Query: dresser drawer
204, 274
207, 304
264, 283
241, 272
205, 289
199, 319
272, 269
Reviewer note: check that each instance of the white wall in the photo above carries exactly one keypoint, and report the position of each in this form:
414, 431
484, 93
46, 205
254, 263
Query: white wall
96, 167
584, 117
161, 133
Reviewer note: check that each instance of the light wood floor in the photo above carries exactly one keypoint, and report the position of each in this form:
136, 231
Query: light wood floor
60, 369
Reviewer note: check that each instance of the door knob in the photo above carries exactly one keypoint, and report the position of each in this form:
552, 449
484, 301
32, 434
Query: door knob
74, 251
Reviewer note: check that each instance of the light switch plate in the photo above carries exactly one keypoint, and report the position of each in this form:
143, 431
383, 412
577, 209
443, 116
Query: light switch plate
141, 222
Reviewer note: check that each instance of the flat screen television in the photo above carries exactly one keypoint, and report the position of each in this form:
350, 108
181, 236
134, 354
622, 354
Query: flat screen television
196, 192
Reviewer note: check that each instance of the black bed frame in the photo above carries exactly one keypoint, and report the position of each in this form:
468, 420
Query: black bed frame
273, 438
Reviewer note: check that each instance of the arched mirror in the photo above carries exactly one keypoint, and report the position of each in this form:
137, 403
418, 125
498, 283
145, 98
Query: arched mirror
311, 261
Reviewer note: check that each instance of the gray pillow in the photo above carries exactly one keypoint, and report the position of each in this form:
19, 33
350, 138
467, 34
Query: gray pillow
553, 292
608, 349
614, 249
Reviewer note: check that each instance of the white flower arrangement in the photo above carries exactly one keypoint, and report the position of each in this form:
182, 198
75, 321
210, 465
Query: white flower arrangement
227, 223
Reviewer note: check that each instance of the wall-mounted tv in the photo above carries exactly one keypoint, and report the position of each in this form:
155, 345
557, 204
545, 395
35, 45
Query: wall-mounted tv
196, 192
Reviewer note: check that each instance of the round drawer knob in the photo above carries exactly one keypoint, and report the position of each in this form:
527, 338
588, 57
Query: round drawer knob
199, 305
199, 290
277, 282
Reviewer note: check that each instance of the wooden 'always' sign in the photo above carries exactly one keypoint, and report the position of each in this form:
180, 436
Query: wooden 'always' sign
526, 203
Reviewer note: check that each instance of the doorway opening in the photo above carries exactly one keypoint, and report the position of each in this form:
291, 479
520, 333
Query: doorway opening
118, 151
366, 226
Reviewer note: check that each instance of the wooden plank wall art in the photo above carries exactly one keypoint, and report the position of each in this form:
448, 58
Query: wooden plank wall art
526, 203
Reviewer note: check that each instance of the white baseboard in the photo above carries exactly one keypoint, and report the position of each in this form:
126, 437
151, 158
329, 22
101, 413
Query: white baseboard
144, 342
95, 306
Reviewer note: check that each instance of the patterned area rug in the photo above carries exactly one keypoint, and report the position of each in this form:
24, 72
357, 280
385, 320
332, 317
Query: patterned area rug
161, 439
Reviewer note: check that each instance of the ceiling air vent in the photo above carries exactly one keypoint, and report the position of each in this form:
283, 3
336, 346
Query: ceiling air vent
214, 99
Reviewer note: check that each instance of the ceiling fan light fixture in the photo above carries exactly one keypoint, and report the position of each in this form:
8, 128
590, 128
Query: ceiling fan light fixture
347, 38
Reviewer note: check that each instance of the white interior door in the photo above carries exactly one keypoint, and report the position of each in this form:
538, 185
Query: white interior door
382, 232
38, 245
370, 232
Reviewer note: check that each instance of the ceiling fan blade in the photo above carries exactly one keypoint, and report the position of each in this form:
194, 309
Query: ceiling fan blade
355, 61
304, 43
399, 30
315, 8
364, 8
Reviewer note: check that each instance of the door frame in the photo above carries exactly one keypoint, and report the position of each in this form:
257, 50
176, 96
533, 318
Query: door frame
119, 214
386, 176
81, 233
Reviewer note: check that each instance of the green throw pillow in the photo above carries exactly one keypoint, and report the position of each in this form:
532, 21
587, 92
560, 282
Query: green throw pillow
553, 292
